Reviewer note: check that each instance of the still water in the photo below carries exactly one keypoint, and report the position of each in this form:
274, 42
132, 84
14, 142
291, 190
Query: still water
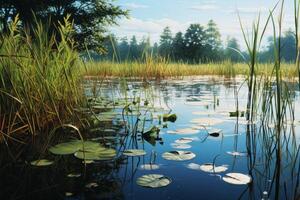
206, 127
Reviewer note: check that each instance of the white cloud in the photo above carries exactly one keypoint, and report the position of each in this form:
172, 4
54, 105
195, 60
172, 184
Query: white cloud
149, 27
135, 5
249, 10
204, 7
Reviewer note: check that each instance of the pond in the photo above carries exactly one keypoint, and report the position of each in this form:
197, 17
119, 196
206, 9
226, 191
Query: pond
173, 139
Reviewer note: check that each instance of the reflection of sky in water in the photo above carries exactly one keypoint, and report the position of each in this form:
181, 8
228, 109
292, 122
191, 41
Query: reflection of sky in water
117, 180
191, 100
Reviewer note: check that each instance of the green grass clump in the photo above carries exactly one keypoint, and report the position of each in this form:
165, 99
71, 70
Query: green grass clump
39, 79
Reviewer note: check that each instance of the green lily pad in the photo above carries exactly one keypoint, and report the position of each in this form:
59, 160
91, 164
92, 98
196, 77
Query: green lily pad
41, 163
65, 148
178, 155
106, 154
74, 146
237, 178
153, 181
134, 152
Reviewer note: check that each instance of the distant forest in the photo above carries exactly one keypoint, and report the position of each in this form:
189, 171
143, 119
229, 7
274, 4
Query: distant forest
198, 44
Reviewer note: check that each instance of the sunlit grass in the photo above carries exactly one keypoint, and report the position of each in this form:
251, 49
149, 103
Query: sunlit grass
39, 79
161, 69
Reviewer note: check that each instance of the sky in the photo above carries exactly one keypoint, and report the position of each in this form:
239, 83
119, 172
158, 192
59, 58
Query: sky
150, 17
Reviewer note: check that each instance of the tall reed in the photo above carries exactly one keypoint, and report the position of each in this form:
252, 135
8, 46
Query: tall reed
39, 79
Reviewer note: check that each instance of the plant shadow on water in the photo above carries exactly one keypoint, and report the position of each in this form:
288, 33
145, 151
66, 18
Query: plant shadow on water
174, 140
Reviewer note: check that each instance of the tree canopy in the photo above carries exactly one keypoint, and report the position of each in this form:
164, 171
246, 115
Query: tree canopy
90, 17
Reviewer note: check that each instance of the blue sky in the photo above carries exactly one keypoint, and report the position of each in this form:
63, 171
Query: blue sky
149, 17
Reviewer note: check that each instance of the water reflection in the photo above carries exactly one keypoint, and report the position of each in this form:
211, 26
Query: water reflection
129, 116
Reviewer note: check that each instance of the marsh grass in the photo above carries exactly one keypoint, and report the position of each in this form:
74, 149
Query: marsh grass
39, 79
160, 68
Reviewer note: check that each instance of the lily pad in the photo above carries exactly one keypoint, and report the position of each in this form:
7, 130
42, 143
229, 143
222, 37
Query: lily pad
65, 148
180, 146
178, 155
149, 166
207, 121
198, 103
73, 175
134, 152
91, 185
184, 140
184, 131
237, 178
208, 167
74, 146
41, 163
106, 154
235, 153
153, 181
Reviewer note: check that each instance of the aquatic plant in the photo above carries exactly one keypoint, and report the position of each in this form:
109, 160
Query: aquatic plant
39, 79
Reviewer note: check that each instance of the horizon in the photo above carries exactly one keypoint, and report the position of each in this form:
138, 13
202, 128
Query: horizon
148, 18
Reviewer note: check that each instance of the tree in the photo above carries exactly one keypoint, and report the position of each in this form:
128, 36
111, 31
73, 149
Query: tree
195, 40
232, 48
123, 49
165, 44
214, 43
90, 17
134, 51
178, 46
213, 36
287, 49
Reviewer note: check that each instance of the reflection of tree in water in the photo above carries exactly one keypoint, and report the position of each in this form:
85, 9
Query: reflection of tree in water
27, 182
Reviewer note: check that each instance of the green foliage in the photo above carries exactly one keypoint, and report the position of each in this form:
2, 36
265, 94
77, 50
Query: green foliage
39, 78
90, 17
165, 44
231, 50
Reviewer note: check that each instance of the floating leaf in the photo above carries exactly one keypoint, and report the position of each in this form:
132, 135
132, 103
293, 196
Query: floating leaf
198, 103
65, 148
73, 175
41, 163
214, 132
208, 167
237, 178
91, 185
106, 154
178, 155
134, 152
184, 131
184, 140
180, 146
169, 117
68, 194
74, 146
150, 166
235, 153
207, 121
153, 181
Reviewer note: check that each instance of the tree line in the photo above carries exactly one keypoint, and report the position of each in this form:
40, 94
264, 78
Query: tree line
198, 44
